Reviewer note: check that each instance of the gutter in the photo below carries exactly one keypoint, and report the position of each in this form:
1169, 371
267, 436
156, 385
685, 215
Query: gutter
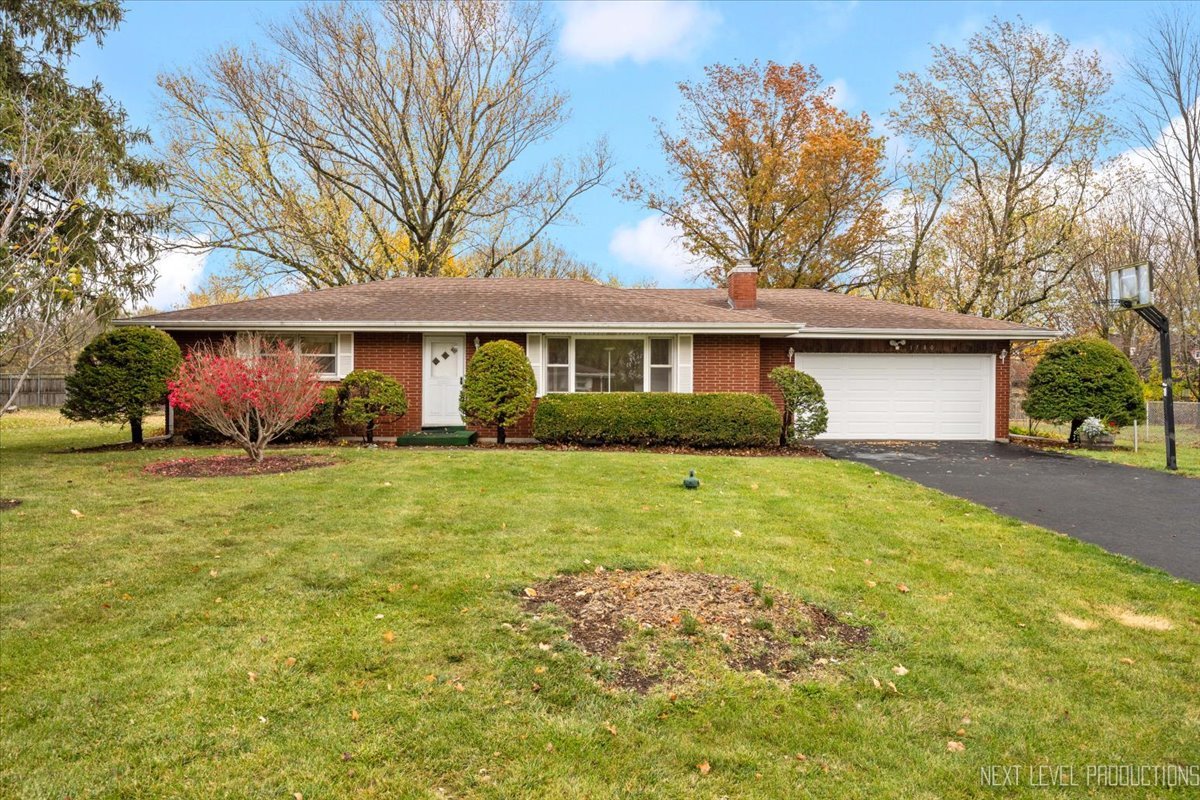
1030, 334
765, 329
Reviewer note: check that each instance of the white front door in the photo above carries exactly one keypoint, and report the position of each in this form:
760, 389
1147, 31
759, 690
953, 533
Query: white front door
905, 395
445, 365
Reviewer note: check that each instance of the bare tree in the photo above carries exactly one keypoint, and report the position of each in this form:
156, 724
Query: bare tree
384, 139
1022, 117
53, 295
1167, 122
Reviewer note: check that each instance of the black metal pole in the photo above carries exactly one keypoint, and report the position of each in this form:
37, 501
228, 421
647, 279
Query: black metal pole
1160, 323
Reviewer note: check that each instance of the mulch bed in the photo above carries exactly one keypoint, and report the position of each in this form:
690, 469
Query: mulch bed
225, 466
752, 452
635, 620
11, 503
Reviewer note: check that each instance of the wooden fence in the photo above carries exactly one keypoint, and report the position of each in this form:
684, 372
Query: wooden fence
38, 390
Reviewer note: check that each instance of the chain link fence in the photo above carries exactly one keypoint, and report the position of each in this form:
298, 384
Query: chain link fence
1187, 422
38, 390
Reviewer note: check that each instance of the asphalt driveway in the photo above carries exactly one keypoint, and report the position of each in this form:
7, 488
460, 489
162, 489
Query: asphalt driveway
1150, 516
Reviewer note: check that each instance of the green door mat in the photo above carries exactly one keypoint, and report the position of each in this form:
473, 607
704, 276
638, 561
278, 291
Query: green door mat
439, 437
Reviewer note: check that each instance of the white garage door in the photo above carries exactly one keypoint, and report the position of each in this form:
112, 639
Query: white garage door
905, 395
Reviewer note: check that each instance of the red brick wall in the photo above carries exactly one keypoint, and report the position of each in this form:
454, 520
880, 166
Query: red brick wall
721, 363
725, 363
397, 355
1003, 391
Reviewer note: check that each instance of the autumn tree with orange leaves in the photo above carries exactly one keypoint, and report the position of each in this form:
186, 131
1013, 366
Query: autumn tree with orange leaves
766, 170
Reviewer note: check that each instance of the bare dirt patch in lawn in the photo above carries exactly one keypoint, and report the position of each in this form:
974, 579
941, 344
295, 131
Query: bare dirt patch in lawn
650, 624
226, 466
1076, 622
1145, 622
8, 504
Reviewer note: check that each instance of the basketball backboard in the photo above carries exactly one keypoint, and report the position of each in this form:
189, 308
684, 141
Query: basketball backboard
1131, 286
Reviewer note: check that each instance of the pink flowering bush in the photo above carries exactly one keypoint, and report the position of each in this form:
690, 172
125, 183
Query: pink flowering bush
252, 389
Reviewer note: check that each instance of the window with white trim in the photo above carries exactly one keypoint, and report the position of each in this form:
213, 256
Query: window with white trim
660, 365
609, 364
320, 347
558, 364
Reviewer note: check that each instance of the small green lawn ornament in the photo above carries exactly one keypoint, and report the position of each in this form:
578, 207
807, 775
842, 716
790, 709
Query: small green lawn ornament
691, 481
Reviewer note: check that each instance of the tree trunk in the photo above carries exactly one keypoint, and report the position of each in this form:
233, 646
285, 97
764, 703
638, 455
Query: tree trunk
135, 429
370, 432
499, 434
1074, 437
783, 432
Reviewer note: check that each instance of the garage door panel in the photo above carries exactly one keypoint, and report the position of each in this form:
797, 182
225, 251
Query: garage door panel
905, 396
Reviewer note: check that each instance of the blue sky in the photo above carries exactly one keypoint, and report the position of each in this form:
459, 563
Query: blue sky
620, 63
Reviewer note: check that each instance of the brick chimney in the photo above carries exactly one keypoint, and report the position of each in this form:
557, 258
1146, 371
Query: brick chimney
743, 287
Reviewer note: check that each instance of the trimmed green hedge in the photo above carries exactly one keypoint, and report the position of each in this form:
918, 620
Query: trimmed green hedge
719, 419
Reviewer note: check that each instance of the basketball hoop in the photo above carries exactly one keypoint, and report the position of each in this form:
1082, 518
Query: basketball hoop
1131, 288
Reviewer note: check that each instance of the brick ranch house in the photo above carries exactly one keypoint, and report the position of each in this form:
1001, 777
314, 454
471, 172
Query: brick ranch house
889, 371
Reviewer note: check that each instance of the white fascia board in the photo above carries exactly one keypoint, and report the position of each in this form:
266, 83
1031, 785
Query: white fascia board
934, 333
460, 327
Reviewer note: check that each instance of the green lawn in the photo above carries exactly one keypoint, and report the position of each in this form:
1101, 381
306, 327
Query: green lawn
129, 634
1151, 450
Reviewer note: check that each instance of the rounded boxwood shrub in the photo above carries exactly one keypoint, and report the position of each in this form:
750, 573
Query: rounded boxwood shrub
719, 419
499, 386
805, 414
1080, 378
120, 376
367, 396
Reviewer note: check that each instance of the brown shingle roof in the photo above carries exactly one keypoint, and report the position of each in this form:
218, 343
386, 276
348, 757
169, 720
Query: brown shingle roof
501, 302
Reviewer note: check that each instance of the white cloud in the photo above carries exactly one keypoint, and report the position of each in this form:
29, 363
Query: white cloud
603, 32
179, 272
843, 98
654, 247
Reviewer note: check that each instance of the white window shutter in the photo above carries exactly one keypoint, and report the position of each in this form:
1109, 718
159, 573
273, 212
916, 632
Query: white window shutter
345, 354
683, 364
533, 349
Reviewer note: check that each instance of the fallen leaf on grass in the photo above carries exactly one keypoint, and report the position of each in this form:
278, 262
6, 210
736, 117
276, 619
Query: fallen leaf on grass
892, 686
876, 683
458, 687
549, 747
1126, 660
75, 512
955, 747
871, 584
903, 587
212, 573
530, 591
354, 714
253, 676
608, 726
704, 767
900, 670
389, 636
538, 670
291, 662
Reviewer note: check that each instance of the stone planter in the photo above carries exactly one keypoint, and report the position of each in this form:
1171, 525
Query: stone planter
1102, 442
